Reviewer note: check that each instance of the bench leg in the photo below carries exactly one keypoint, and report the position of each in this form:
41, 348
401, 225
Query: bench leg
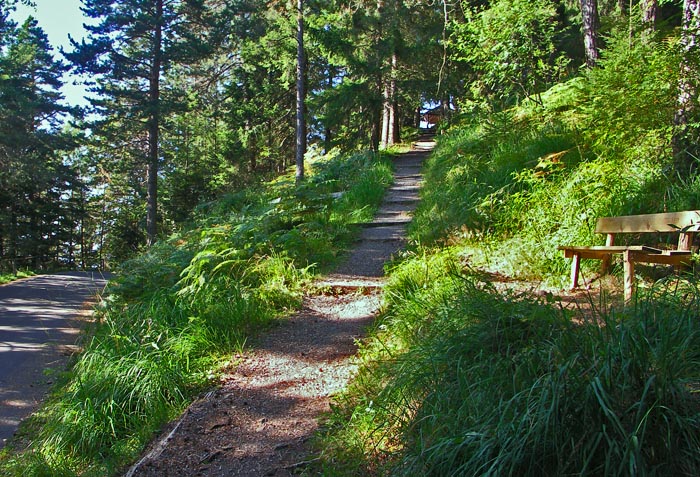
629, 275
575, 265
605, 262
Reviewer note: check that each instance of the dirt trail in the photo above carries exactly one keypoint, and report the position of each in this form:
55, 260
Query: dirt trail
258, 422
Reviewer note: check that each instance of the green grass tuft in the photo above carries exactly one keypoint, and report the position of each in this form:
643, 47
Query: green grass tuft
462, 379
176, 314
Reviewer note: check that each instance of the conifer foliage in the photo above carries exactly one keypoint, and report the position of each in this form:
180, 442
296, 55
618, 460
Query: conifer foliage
35, 221
128, 51
192, 99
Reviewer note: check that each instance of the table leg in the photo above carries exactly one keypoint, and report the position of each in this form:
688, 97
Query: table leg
575, 264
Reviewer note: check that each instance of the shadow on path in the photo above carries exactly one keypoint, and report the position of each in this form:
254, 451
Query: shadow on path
39, 326
258, 422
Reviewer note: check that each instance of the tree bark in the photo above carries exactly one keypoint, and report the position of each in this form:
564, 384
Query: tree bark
650, 13
386, 113
154, 129
301, 95
375, 127
394, 131
589, 13
685, 140
390, 129
12, 242
328, 132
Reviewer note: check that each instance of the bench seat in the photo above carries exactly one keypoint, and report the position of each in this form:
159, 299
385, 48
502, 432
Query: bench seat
686, 224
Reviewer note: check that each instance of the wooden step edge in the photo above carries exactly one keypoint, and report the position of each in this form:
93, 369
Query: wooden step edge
384, 223
402, 200
347, 284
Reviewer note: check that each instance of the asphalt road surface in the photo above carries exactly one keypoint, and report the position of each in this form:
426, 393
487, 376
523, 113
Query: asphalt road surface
39, 325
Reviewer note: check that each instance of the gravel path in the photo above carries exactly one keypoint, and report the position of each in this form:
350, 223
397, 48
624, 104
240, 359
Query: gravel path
258, 422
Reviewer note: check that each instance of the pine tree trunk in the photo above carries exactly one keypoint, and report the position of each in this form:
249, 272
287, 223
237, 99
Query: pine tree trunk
589, 13
34, 249
386, 113
685, 140
82, 229
375, 128
327, 132
395, 123
301, 95
12, 241
650, 13
154, 129
382, 83
390, 117
394, 130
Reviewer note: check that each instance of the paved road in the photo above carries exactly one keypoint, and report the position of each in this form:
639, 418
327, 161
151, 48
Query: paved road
38, 327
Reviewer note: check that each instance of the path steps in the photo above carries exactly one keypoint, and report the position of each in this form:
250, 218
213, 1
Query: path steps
338, 284
386, 234
258, 422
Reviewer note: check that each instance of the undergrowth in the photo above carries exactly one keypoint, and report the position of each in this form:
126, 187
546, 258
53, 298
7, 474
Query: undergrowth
11, 277
461, 379
512, 186
178, 312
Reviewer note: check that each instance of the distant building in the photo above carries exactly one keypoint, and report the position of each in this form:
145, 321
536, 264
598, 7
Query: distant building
432, 116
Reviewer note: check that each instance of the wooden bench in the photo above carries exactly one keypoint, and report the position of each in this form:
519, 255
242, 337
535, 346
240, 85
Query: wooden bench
686, 224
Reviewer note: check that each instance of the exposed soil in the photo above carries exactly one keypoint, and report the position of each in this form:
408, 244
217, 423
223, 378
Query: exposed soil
259, 420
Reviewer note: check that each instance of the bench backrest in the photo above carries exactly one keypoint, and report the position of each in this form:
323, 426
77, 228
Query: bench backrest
686, 222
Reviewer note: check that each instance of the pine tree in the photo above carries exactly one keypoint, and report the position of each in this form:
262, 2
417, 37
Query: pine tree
379, 67
128, 52
300, 94
33, 175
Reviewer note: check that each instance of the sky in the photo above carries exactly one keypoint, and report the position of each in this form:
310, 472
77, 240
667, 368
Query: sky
59, 18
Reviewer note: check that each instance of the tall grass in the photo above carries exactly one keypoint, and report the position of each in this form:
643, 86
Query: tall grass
527, 393
178, 312
462, 379
513, 186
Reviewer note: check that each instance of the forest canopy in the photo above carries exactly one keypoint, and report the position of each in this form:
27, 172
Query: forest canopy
194, 99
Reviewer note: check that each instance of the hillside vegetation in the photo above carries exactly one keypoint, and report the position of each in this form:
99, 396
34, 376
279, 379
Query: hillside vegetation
554, 113
466, 377
177, 314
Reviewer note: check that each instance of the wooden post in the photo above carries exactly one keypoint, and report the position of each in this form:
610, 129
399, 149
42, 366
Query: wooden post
685, 240
575, 264
629, 275
605, 261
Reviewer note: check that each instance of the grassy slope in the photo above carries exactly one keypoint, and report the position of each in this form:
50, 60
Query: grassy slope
179, 311
461, 379
9, 277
